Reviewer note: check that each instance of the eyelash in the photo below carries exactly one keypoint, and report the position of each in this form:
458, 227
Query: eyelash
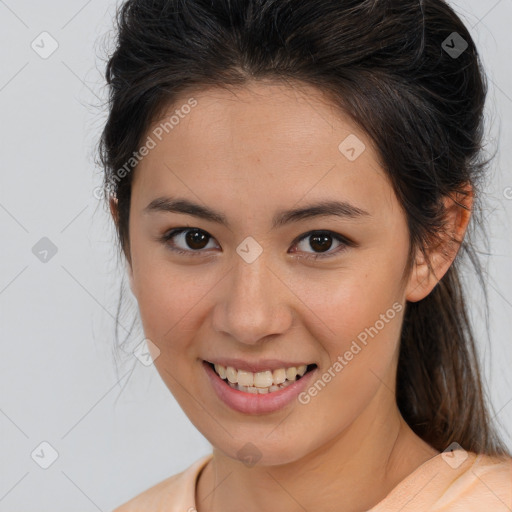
345, 243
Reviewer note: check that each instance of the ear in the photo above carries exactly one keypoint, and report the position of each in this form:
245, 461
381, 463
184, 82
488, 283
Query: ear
114, 211
422, 279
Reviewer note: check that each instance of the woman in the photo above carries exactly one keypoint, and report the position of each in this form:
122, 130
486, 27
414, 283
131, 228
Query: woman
291, 183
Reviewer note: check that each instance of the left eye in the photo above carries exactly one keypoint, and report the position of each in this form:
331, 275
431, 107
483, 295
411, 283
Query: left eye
196, 239
322, 241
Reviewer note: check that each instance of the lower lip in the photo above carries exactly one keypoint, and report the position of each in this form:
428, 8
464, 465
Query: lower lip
250, 403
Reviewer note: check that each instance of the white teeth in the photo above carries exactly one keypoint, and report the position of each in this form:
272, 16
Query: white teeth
260, 382
245, 378
231, 374
262, 379
221, 370
291, 373
279, 376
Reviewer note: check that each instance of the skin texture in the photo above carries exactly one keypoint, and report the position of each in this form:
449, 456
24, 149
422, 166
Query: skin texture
249, 152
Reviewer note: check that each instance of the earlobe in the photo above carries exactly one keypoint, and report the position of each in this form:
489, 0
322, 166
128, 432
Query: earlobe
421, 281
457, 215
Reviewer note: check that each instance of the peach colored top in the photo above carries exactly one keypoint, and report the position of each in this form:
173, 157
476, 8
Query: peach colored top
441, 484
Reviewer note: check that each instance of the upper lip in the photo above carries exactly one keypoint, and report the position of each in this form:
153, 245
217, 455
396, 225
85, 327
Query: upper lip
256, 366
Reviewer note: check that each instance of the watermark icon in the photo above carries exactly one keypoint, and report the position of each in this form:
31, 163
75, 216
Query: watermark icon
454, 45
146, 352
352, 147
249, 250
44, 45
343, 360
507, 192
249, 454
151, 142
454, 455
44, 250
44, 455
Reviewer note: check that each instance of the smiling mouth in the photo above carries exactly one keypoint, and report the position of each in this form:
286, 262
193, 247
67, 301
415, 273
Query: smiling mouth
267, 381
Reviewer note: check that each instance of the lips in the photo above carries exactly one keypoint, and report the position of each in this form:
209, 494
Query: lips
258, 400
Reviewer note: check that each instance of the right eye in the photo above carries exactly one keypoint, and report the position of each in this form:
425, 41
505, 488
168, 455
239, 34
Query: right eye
193, 239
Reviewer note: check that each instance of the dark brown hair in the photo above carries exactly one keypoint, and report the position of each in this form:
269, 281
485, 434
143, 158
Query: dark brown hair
385, 63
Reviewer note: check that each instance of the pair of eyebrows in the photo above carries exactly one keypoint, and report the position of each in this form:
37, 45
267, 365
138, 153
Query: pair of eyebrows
325, 208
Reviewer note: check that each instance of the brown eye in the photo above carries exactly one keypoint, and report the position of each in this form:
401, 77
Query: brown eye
187, 240
322, 241
196, 239
193, 241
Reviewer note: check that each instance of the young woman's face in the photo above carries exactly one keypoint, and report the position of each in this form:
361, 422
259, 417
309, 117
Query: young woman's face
246, 290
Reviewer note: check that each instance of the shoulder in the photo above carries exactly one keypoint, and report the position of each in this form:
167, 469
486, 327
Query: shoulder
481, 482
174, 493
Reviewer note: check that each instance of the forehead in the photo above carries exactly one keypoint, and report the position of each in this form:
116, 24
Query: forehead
296, 115
265, 139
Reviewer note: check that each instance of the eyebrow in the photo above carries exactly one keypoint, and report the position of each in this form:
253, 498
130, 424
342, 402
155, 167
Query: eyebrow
325, 208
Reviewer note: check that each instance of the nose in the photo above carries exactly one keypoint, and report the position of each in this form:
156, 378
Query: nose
253, 303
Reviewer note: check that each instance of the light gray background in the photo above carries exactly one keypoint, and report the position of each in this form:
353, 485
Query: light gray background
119, 431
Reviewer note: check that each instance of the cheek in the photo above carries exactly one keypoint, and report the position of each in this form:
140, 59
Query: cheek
163, 291
360, 311
167, 303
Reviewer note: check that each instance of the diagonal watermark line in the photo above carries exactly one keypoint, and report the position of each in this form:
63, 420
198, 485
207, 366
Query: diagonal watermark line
501, 409
169, 169
12, 280
14, 76
286, 491
492, 491
14, 485
278, 424
194, 305
498, 292
288, 82
13, 423
76, 14
74, 218
94, 298
104, 395
301, 300
198, 403
500, 89
217, 486
311, 188
13, 217
13, 13
382, 382
126, 382
488, 12
81, 80
412, 497
81, 491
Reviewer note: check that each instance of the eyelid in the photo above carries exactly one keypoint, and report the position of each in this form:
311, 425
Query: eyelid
344, 241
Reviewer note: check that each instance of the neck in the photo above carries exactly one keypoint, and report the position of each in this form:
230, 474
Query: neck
354, 471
